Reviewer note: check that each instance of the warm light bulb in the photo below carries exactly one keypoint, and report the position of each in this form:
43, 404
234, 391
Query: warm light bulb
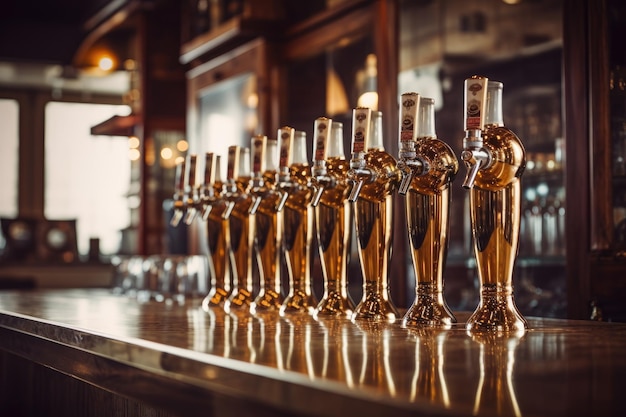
182, 145
166, 153
133, 142
105, 63
134, 154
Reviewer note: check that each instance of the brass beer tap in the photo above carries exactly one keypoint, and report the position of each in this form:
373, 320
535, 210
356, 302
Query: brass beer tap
218, 236
333, 217
241, 225
268, 224
495, 160
375, 177
430, 165
297, 226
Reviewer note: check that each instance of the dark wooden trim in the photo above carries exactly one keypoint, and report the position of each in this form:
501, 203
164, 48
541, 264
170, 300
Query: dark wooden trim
577, 177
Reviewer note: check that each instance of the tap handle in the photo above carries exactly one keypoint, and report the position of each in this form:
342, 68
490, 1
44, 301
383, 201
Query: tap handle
405, 183
317, 195
282, 200
176, 217
190, 215
180, 177
206, 211
473, 166
355, 191
256, 202
230, 205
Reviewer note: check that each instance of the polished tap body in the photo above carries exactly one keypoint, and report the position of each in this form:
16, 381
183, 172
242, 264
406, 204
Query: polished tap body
298, 229
431, 167
375, 177
218, 236
241, 227
495, 160
333, 217
268, 226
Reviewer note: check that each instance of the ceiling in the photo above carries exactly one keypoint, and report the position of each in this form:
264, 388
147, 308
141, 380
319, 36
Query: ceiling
47, 31
40, 38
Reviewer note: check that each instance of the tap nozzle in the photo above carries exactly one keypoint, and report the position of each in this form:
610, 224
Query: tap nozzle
475, 156
320, 180
359, 174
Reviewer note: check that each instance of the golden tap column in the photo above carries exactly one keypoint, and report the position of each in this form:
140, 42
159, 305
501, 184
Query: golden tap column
429, 166
268, 222
495, 160
241, 225
333, 217
218, 237
375, 178
297, 223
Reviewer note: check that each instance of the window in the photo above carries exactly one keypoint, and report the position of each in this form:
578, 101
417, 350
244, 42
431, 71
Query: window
9, 156
86, 176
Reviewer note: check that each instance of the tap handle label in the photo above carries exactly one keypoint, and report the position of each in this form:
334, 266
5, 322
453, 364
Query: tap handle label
180, 175
259, 144
209, 168
408, 117
286, 135
191, 170
475, 102
320, 137
360, 128
232, 171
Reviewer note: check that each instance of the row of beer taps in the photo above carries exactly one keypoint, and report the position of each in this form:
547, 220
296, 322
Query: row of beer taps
273, 201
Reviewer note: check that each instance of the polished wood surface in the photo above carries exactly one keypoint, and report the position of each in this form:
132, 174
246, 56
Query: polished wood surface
180, 358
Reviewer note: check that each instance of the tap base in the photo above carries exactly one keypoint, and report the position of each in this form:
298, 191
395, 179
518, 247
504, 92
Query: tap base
239, 300
428, 310
375, 307
298, 302
496, 312
267, 301
216, 298
334, 304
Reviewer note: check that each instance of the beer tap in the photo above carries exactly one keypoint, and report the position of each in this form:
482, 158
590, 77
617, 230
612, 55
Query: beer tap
191, 191
495, 160
283, 177
375, 177
241, 228
298, 228
268, 222
179, 194
319, 174
207, 193
430, 169
333, 217
218, 236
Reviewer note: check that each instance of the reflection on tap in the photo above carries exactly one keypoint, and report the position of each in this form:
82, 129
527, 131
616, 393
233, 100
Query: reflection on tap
297, 355
495, 394
429, 381
333, 216
428, 166
241, 224
495, 160
375, 177
336, 361
376, 369
298, 227
268, 222
218, 236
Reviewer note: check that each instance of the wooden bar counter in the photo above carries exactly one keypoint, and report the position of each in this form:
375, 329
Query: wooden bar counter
178, 360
